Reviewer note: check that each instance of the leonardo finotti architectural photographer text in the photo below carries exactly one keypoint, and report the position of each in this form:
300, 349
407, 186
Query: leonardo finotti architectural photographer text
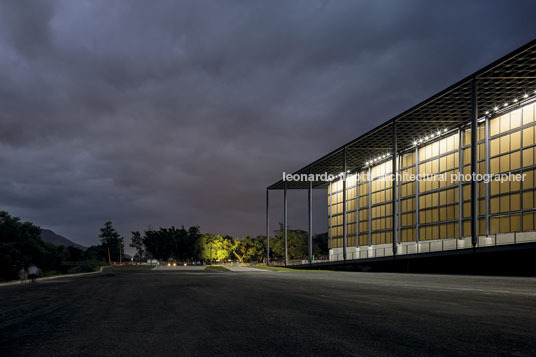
406, 177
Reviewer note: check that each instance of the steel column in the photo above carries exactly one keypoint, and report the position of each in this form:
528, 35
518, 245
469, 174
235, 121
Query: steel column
310, 200
417, 187
521, 183
267, 227
344, 229
460, 184
474, 163
330, 198
285, 220
358, 175
370, 206
487, 187
394, 171
399, 202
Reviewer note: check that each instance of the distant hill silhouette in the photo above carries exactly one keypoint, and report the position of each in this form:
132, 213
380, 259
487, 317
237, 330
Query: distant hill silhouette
51, 237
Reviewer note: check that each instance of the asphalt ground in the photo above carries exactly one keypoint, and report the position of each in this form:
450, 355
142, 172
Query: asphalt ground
269, 313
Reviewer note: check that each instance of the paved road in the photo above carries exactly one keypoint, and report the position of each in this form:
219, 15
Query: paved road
179, 267
244, 269
274, 313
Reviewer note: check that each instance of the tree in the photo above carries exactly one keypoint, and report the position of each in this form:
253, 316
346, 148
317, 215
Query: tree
112, 241
136, 242
96, 252
215, 247
173, 243
297, 244
260, 248
249, 249
20, 245
320, 244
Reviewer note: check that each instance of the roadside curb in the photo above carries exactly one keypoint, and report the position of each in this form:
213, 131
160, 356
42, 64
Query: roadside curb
17, 282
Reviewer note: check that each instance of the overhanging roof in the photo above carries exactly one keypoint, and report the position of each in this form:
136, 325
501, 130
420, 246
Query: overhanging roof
503, 80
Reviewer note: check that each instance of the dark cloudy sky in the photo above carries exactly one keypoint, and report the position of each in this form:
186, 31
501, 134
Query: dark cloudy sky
153, 113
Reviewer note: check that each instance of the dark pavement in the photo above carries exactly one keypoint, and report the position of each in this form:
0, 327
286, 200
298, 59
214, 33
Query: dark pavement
269, 313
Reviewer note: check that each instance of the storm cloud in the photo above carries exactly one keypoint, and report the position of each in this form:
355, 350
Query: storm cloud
182, 112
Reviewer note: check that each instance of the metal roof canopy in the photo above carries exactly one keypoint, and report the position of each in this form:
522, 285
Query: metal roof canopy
503, 80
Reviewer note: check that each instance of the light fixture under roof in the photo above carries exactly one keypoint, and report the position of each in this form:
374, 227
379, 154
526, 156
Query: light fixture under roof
525, 95
496, 108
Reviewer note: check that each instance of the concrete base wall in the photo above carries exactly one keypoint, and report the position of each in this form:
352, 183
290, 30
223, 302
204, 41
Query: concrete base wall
438, 245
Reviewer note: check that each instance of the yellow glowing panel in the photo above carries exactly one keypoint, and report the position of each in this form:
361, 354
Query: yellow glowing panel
514, 202
528, 200
494, 148
528, 114
528, 136
505, 123
467, 137
505, 203
515, 140
467, 155
504, 163
504, 224
515, 160
515, 185
515, 119
505, 143
528, 179
504, 187
528, 157
528, 221
494, 127
494, 225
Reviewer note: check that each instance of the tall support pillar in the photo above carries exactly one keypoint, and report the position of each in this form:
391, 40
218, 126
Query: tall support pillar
310, 201
285, 221
417, 188
393, 190
460, 184
487, 187
370, 206
358, 175
474, 158
344, 228
399, 202
330, 198
267, 227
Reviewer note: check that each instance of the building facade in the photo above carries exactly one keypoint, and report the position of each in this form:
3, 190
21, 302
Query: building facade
454, 172
433, 199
